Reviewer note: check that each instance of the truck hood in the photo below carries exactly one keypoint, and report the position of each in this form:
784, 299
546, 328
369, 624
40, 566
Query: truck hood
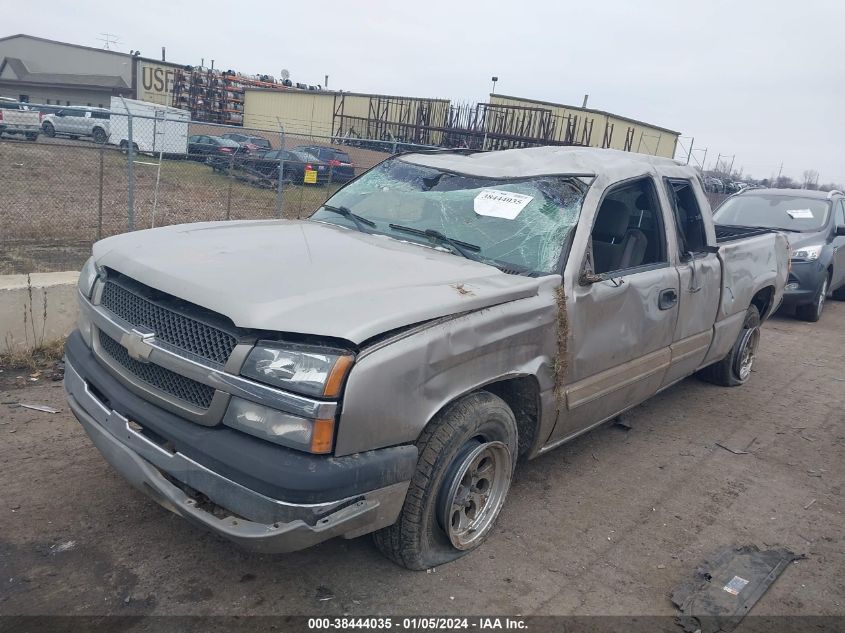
308, 277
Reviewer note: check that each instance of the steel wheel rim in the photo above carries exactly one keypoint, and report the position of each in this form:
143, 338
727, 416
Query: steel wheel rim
822, 295
476, 493
748, 352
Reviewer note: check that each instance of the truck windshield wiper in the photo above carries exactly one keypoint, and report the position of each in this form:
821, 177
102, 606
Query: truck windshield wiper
462, 248
358, 220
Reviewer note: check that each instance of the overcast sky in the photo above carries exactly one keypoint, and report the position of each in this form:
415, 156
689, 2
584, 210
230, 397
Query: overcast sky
764, 80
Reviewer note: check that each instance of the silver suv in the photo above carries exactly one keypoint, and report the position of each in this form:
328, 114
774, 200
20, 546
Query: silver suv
78, 121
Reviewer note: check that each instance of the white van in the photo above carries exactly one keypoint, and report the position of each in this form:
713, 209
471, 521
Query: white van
155, 128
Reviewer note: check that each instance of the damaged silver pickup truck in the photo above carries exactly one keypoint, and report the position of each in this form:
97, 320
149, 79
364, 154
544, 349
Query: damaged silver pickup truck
381, 366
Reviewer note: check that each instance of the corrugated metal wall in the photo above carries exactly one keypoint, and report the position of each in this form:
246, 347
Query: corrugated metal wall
302, 113
599, 129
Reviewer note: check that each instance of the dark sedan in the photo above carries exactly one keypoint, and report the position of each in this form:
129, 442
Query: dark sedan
202, 147
250, 144
342, 167
299, 167
814, 222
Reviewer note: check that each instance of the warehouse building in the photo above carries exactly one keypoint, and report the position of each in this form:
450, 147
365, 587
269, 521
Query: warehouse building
39, 70
571, 125
503, 122
348, 115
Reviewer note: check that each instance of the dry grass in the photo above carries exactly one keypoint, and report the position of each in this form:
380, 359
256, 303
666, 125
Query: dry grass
46, 355
50, 200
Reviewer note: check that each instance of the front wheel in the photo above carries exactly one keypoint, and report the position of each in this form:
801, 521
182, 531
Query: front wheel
467, 460
49, 130
99, 135
812, 312
735, 368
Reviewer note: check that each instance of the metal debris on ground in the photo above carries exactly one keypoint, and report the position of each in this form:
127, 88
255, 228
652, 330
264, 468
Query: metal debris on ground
732, 450
324, 594
40, 407
725, 587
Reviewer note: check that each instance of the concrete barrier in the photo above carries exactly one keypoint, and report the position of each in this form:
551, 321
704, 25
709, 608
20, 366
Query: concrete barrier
24, 302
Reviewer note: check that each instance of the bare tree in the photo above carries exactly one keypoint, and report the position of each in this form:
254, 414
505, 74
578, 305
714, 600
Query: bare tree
811, 179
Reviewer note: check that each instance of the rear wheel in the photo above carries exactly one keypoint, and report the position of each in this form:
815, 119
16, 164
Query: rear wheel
813, 311
32, 136
467, 459
735, 368
839, 293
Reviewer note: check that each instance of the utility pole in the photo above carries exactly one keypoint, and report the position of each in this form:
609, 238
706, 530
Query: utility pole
731, 168
494, 79
780, 170
689, 153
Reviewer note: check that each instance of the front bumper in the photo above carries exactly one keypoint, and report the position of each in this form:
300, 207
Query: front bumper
211, 500
806, 278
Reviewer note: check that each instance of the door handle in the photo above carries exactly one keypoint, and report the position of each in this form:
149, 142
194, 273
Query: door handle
667, 299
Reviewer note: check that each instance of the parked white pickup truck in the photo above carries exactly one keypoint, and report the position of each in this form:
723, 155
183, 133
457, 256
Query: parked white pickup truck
381, 366
17, 118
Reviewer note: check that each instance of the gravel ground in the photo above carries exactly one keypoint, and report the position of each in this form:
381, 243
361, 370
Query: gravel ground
608, 524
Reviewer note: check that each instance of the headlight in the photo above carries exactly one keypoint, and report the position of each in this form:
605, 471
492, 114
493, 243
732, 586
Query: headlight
87, 277
808, 253
306, 370
314, 436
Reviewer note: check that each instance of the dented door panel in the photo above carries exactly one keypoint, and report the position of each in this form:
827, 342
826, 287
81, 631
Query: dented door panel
621, 342
699, 304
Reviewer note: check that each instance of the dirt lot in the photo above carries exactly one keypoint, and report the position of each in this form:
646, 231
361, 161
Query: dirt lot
609, 524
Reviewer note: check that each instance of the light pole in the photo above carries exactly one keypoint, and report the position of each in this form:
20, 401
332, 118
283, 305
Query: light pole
494, 79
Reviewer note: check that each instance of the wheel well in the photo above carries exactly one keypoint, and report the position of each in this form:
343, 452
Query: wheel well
763, 300
522, 395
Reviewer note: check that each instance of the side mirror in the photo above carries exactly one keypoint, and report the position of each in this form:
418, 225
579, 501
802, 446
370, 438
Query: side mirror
840, 230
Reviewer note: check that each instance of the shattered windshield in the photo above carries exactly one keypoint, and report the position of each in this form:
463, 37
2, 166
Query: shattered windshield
515, 223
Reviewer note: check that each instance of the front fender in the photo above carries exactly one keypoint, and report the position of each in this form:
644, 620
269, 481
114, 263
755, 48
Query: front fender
394, 390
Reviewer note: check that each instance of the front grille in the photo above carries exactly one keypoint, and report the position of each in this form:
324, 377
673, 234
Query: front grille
183, 332
178, 386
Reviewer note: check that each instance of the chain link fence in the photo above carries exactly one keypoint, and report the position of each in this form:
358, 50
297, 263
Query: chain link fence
86, 178
94, 173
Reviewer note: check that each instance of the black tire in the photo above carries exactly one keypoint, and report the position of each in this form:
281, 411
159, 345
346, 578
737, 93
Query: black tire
418, 539
48, 128
729, 371
839, 293
99, 135
32, 136
812, 312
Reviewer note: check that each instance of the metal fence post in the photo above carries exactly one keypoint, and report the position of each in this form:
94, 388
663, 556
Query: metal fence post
229, 193
280, 194
130, 169
100, 198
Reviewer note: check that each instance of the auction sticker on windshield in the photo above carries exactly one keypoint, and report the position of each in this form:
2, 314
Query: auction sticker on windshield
800, 214
500, 204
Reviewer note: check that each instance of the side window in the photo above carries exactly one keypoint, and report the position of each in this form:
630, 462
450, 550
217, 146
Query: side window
628, 230
692, 238
840, 218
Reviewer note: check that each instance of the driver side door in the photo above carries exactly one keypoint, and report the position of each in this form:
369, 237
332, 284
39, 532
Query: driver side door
624, 323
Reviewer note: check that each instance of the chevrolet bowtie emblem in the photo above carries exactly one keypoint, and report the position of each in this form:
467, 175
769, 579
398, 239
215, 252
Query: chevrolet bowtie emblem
137, 344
